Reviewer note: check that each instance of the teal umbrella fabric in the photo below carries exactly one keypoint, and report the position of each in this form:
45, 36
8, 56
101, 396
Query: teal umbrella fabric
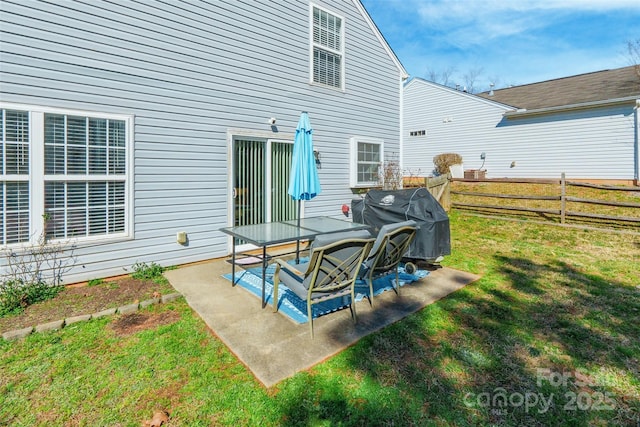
303, 181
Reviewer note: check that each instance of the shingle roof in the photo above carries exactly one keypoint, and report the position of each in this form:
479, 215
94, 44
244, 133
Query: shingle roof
583, 88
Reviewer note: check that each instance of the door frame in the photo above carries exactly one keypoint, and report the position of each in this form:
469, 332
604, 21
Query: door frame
269, 138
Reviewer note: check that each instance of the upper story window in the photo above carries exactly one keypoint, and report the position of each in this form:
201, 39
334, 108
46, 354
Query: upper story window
71, 169
328, 48
366, 160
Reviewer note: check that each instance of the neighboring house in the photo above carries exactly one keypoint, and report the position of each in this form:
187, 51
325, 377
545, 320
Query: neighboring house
585, 125
439, 119
125, 123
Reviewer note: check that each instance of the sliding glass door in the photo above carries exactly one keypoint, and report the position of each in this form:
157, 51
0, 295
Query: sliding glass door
261, 177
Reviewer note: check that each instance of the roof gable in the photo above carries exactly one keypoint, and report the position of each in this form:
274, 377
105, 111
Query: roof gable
380, 36
455, 92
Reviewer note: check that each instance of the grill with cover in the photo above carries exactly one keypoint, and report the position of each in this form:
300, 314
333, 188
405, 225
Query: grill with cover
380, 207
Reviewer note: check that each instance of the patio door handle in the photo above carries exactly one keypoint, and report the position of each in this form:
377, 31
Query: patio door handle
234, 193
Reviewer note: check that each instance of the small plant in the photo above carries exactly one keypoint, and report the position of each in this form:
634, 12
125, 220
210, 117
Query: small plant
152, 271
16, 295
391, 176
444, 160
33, 272
95, 282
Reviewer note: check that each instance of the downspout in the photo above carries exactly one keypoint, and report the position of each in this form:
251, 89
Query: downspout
401, 117
636, 144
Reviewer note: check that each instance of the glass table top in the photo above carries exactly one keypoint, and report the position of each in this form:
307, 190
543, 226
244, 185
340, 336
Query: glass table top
326, 224
286, 231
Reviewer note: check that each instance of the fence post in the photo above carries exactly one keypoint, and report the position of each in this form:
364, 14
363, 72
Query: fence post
446, 195
563, 198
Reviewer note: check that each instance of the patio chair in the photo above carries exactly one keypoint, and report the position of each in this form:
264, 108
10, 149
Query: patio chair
391, 244
330, 273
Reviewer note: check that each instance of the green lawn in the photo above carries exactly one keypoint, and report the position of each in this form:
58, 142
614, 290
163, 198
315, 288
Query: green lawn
548, 336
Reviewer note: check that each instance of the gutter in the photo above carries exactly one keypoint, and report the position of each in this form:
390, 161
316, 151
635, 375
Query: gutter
636, 143
523, 112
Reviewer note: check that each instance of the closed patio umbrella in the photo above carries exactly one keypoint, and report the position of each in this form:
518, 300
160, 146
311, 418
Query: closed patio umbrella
303, 182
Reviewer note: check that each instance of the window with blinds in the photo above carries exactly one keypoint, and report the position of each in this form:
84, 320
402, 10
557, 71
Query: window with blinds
14, 187
328, 48
70, 169
85, 174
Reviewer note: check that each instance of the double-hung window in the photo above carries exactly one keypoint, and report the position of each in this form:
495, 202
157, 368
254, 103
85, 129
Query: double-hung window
14, 187
328, 48
366, 159
65, 174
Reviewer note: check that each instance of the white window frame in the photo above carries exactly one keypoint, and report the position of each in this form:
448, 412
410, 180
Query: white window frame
37, 173
21, 178
340, 53
353, 163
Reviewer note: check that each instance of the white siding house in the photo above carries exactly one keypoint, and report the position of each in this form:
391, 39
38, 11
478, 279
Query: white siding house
586, 126
452, 121
124, 123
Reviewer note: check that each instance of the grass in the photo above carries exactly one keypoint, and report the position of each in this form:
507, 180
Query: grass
554, 319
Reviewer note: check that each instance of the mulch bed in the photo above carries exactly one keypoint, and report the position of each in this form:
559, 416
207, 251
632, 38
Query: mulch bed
74, 301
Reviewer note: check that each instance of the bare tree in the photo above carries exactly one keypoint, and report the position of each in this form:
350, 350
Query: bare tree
442, 77
446, 74
471, 77
633, 47
432, 75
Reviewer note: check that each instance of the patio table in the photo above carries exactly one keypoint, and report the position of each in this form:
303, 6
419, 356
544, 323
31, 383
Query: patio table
273, 233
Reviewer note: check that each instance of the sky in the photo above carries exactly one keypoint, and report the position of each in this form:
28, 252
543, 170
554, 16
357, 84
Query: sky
507, 42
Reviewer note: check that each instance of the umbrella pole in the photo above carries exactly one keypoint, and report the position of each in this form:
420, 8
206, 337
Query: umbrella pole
298, 240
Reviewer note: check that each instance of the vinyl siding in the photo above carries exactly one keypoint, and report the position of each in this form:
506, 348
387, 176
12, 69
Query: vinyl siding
188, 71
597, 143
453, 121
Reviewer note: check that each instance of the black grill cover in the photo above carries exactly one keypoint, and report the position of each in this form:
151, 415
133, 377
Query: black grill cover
380, 207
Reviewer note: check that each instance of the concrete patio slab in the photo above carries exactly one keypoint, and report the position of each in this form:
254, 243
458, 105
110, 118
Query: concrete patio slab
262, 340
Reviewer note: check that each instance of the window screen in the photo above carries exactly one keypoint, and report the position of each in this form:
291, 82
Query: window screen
368, 162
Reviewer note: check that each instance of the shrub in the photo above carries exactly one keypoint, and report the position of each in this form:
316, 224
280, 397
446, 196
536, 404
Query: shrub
444, 160
15, 295
390, 175
144, 271
33, 273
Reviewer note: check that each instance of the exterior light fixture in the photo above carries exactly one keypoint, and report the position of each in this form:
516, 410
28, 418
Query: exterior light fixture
316, 156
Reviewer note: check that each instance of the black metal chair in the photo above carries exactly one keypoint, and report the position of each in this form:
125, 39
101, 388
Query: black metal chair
330, 273
391, 245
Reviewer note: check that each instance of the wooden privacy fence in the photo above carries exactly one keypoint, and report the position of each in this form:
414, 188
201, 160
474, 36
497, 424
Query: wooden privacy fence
439, 187
561, 201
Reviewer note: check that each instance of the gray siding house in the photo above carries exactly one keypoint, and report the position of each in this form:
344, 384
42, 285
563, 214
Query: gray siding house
586, 126
125, 123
